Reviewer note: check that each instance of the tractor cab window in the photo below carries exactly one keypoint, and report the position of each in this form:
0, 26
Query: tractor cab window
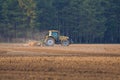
55, 35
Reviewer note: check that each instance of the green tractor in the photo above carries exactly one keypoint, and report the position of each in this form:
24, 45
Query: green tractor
53, 37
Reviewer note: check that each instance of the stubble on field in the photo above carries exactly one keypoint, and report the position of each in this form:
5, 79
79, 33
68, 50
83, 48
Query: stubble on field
76, 62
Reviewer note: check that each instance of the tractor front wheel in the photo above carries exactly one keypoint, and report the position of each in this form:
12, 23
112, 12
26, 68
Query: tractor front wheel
65, 43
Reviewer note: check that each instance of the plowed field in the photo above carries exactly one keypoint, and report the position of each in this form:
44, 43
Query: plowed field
75, 62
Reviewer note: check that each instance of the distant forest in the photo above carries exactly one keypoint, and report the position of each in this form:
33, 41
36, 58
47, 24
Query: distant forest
84, 21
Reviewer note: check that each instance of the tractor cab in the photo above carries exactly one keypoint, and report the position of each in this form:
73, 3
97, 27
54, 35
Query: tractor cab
55, 34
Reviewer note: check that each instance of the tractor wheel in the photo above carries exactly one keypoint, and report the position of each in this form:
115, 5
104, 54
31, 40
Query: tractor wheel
65, 43
50, 42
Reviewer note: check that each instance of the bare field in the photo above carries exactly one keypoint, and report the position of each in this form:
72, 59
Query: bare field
75, 62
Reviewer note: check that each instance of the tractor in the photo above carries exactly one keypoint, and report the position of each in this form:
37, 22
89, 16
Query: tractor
54, 37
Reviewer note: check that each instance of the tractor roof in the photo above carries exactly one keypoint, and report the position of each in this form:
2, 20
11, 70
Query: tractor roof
54, 30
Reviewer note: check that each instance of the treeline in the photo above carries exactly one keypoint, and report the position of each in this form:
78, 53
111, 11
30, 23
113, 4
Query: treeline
84, 21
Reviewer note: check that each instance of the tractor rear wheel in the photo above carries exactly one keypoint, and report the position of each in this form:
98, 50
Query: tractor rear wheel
49, 42
65, 43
